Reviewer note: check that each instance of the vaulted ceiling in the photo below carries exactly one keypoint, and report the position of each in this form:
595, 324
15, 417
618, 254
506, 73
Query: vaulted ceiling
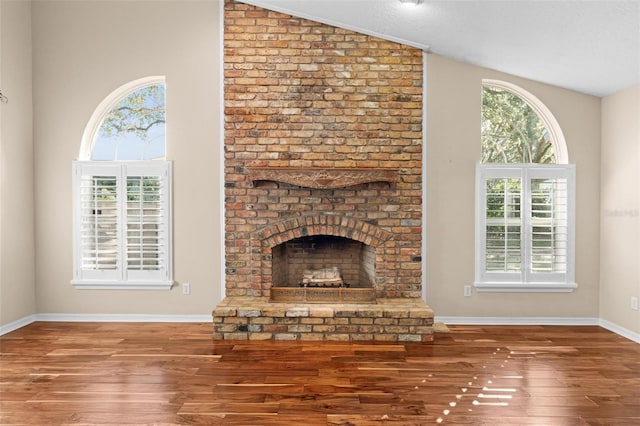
590, 46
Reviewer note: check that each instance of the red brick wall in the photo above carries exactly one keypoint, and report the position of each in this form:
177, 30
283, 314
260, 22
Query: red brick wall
303, 94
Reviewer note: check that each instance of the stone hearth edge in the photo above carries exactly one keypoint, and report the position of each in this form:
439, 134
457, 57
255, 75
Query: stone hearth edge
388, 320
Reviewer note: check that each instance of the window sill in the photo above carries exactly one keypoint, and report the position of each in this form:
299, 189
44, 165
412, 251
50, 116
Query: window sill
122, 285
519, 287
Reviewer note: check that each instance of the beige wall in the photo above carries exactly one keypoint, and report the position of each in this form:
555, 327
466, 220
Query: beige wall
17, 253
620, 204
453, 150
82, 52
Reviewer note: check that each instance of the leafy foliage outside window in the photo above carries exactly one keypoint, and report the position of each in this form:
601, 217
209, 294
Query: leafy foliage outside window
512, 132
143, 188
139, 188
134, 129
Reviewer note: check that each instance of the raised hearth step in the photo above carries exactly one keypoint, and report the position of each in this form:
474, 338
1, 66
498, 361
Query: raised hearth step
388, 320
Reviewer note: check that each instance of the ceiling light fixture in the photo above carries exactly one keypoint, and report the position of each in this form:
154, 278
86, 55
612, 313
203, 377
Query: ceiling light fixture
413, 2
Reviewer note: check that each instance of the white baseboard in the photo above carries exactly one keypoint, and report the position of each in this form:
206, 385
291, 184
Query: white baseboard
518, 320
620, 330
101, 318
12, 326
207, 318
122, 318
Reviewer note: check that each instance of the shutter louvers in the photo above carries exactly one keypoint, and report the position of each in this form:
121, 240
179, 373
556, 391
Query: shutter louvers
525, 233
145, 223
503, 225
549, 225
99, 222
122, 225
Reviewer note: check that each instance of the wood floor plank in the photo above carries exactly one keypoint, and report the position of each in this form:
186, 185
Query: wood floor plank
114, 373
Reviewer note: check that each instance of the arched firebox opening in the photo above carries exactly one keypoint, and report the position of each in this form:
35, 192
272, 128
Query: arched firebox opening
322, 258
323, 261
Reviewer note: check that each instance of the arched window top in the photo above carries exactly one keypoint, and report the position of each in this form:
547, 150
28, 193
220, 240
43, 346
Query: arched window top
129, 124
518, 128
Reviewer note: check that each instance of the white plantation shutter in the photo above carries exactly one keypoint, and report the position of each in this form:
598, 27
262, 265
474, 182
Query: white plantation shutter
122, 235
525, 227
503, 228
549, 215
97, 223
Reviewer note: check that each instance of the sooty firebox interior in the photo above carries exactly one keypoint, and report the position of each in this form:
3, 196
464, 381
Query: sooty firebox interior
323, 261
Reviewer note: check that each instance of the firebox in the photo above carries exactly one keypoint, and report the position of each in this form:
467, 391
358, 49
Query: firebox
333, 261
323, 268
322, 258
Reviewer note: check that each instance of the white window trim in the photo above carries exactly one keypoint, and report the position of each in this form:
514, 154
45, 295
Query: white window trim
120, 279
509, 284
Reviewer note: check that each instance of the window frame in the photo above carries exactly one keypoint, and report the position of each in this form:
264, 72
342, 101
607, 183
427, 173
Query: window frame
484, 283
524, 281
122, 277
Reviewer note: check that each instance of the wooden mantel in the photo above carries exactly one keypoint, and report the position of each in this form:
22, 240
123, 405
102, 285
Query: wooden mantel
322, 178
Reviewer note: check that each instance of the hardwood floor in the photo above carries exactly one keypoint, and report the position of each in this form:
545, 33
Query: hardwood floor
104, 373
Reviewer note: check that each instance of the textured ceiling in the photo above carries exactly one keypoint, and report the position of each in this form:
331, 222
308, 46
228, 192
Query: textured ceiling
587, 46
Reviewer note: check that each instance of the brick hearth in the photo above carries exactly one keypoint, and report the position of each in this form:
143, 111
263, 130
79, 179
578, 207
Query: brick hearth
389, 320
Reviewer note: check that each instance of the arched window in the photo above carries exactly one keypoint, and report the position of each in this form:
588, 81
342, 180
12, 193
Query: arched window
122, 191
518, 128
129, 124
525, 196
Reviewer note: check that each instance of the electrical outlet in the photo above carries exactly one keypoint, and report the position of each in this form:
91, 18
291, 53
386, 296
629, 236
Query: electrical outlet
467, 291
186, 288
634, 303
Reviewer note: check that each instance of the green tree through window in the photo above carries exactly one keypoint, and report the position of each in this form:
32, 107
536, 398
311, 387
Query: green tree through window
512, 132
134, 129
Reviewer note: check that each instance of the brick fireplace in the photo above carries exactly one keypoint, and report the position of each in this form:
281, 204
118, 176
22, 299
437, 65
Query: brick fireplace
323, 170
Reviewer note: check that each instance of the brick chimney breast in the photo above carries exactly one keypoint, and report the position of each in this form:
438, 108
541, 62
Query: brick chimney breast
323, 172
323, 137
